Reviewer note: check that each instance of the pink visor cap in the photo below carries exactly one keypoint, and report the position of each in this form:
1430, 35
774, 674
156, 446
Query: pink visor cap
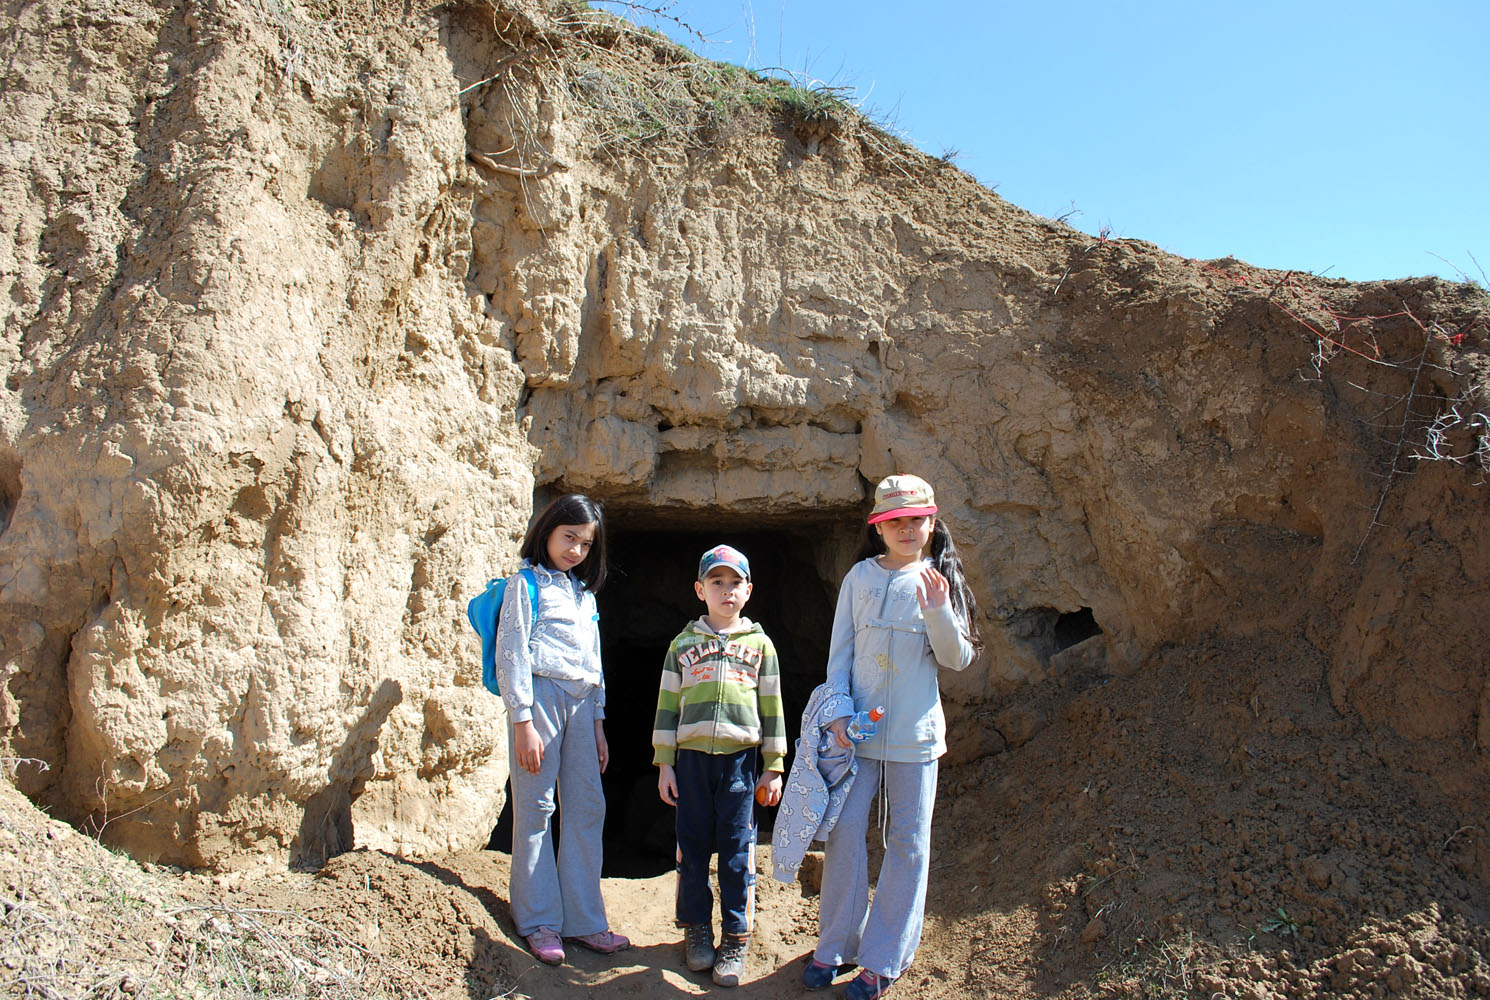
902, 496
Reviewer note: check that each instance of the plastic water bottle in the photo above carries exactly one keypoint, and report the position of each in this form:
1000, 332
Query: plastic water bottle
864, 724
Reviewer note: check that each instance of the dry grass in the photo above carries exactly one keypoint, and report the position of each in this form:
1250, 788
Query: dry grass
633, 90
638, 90
77, 920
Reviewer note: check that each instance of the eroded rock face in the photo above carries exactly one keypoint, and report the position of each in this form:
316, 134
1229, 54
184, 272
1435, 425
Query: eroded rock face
299, 317
259, 448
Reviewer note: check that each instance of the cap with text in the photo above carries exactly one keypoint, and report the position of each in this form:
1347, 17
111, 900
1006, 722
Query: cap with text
902, 496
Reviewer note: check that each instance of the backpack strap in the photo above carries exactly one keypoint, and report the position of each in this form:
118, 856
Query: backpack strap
532, 578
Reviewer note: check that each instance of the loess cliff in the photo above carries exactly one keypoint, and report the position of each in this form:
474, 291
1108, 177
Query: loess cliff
308, 305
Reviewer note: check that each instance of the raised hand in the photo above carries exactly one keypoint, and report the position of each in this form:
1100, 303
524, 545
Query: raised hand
934, 588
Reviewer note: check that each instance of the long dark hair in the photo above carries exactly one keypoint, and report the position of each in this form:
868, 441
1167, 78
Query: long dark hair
571, 508
945, 558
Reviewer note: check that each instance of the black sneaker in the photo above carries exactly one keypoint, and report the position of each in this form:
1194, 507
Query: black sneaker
818, 976
730, 965
698, 946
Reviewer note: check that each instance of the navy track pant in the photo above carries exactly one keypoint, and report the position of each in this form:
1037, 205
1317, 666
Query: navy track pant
716, 815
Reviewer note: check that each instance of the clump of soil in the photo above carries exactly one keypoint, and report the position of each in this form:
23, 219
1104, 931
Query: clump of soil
1210, 826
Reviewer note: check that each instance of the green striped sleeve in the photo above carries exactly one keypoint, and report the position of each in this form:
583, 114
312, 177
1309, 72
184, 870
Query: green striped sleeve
665, 727
772, 711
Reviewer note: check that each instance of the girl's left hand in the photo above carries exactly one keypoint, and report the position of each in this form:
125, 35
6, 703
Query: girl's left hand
934, 589
601, 746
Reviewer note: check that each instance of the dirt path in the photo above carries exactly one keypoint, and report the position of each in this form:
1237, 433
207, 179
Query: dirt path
643, 910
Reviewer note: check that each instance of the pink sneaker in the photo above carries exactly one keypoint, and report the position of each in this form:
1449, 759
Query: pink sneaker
546, 947
605, 942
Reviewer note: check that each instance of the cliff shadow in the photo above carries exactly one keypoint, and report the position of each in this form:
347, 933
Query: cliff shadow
326, 828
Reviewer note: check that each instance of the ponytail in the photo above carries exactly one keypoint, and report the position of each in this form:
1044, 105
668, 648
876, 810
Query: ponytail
945, 558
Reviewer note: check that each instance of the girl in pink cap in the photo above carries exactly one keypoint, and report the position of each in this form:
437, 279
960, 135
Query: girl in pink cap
904, 612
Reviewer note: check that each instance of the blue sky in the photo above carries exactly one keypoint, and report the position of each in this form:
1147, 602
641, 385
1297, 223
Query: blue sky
1342, 138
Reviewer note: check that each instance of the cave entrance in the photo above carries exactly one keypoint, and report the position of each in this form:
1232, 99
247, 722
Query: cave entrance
795, 564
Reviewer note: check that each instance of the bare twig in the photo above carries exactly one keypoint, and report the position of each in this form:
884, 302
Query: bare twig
482, 160
654, 10
1462, 829
478, 83
1101, 239
1484, 281
1394, 470
12, 763
1456, 267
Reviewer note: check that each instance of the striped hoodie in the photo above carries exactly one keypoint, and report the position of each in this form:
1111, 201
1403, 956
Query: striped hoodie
720, 694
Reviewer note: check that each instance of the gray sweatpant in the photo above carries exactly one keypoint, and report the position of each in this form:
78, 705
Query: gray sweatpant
883, 937
562, 894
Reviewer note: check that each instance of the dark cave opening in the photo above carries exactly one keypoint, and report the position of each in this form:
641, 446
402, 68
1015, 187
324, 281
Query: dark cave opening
1073, 627
795, 566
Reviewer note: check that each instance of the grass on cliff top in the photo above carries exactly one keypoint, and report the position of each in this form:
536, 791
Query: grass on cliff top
637, 89
677, 96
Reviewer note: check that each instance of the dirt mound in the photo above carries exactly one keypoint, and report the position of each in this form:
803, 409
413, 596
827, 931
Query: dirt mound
1213, 825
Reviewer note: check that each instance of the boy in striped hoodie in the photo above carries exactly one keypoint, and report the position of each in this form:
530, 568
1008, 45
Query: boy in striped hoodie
720, 699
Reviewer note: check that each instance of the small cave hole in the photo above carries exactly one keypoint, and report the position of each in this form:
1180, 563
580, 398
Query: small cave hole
1073, 627
1047, 631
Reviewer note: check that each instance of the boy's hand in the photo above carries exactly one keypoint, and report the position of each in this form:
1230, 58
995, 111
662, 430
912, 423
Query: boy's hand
667, 784
768, 789
527, 746
601, 746
839, 728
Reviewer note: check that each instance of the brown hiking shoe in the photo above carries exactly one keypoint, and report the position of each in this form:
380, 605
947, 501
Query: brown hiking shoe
729, 966
698, 946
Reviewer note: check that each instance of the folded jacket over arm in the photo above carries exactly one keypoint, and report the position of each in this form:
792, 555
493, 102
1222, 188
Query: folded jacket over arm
817, 786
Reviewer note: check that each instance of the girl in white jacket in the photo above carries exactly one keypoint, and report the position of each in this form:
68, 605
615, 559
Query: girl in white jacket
904, 611
548, 665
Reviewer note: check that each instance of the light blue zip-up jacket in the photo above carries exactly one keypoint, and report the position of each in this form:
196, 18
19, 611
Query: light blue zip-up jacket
885, 651
563, 645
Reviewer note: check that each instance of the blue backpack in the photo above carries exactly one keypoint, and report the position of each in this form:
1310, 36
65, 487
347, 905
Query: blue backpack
483, 611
